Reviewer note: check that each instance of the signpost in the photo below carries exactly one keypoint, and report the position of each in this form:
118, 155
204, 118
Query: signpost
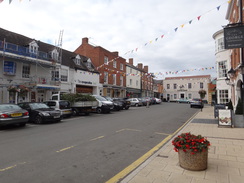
225, 117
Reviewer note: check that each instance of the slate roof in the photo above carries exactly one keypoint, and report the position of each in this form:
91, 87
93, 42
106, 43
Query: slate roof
67, 56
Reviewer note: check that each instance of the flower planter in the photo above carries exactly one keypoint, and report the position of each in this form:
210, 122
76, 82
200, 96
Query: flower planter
195, 162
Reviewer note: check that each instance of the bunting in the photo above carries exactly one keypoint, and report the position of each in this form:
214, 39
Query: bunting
10, 1
181, 26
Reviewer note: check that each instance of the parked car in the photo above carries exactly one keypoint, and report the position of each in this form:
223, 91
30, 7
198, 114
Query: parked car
104, 106
153, 100
117, 104
62, 105
196, 102
144, 101
135, 102
147, 99
125, 103
40, 112
158, 101
13, 114
183, 100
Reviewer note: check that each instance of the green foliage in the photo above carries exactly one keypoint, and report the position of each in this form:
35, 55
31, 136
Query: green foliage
239, 107
71, 97
230, 105
202, 93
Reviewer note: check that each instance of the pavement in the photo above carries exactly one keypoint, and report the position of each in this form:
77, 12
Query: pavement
225, 157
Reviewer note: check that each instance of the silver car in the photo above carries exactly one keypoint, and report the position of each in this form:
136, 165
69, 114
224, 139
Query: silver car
13, 114
135, 102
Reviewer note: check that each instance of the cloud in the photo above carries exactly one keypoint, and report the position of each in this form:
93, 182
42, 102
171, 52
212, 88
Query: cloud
124, 25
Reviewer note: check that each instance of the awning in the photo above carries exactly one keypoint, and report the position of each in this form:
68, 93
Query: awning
48, 87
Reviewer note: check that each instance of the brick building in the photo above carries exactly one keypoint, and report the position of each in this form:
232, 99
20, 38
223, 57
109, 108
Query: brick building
111, 66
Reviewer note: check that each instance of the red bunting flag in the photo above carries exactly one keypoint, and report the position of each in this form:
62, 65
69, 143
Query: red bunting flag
162, 36
198, 17
1, 1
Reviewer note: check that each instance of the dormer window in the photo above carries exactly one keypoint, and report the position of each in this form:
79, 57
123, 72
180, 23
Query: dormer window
77, 60
89, 65
55, 55
33, 47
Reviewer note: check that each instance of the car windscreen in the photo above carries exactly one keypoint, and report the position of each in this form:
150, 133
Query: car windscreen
100, 98
38, 106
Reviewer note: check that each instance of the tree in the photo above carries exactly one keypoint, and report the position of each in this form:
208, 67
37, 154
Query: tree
239, 107
202, 93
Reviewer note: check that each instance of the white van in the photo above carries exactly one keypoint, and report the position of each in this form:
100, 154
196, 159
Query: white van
62, 105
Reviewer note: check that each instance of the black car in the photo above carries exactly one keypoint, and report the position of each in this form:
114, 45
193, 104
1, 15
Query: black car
13, 114
125, 103
196, 102
40, 112
118, 105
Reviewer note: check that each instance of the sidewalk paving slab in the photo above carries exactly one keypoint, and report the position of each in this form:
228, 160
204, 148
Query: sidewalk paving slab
225, 157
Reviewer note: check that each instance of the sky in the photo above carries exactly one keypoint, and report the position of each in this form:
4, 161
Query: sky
157, 33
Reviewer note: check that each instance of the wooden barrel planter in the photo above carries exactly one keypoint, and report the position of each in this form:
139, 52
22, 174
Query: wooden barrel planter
194, 162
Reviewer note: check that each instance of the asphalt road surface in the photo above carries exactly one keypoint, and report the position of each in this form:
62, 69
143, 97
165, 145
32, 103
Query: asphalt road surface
86, 149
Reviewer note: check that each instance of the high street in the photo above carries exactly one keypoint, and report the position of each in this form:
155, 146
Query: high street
87, 149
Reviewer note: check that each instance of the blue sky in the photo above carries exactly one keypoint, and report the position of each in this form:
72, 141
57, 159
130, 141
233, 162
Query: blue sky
126, 25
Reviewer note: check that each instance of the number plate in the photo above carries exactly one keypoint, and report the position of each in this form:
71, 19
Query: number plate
56, 116
16, 114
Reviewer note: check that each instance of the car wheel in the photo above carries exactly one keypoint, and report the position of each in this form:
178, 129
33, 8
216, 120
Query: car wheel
99, 110
75, 112
136, 105
38, 119
127, 107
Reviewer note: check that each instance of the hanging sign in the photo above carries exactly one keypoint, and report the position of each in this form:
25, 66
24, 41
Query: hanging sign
234, 37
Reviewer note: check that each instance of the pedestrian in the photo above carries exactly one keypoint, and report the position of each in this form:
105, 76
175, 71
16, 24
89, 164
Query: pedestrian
147, 104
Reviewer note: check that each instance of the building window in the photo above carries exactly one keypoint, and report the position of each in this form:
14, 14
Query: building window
131, 70
114, 79
137, 83
26, 71
105, 77
189, 85
175, 96
108, 92
130, 82
33, 49
55, 75
106, 60
220, 45
201, 85
222, 68
223, 96
121, 80
168, 86
189, 96
64, 75
175, 86
115, 64
121, 66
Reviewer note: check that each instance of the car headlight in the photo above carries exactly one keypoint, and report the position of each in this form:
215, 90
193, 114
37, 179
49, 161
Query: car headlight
45, 114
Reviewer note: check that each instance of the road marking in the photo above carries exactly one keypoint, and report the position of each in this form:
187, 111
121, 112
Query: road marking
143, 158
64, 149
97, 138
128, 129
11, 167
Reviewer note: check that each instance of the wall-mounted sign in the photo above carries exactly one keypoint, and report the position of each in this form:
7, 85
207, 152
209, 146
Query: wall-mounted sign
225, 117
9, 68
234, 37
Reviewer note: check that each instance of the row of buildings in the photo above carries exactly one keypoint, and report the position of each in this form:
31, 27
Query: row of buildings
229, 62
34, 70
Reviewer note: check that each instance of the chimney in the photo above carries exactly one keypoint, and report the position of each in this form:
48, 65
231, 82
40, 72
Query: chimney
131, 61
139, 65
116, 53
146, 68
85, 40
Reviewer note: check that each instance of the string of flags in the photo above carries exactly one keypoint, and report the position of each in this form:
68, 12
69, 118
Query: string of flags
176, 29
10, 1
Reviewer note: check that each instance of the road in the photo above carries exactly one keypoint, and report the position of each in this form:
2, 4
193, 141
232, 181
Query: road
89, 149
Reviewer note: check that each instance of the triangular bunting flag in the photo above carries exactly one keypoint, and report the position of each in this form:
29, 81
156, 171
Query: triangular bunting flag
182, 25
190, 21
1, 1
162, 36
176, 29
198, 17
218, 8
10, 1
156, 39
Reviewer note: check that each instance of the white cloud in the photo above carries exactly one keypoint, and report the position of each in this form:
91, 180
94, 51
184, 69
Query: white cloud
124, 25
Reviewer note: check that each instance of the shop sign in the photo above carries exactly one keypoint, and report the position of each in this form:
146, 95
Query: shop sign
234, 37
